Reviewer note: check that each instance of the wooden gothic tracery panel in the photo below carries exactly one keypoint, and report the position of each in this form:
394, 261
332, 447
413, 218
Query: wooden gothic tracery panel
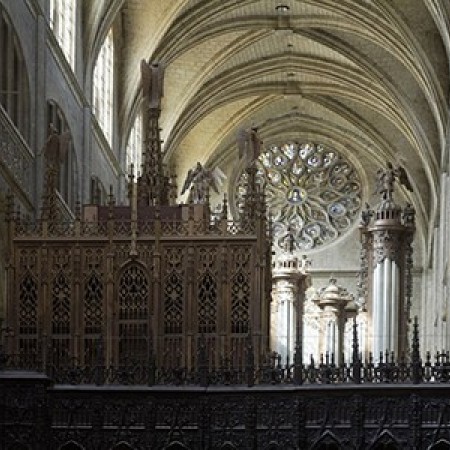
28, 306
60, 305
207, 291
93, 304
240, 290
240, 297
173, 305
207, 299
133, 323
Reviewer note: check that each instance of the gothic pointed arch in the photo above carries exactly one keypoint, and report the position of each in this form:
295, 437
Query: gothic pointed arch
442, 444
385, 441
328, 441
133, 311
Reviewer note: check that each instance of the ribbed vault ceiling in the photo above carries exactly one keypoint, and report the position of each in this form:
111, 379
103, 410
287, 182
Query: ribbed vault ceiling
369, 76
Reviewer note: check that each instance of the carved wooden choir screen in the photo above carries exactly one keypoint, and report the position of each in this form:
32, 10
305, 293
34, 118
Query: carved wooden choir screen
156, 303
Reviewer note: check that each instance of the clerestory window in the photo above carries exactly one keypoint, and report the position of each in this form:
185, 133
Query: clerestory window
134, 146
63, 24
13, 76
103, 87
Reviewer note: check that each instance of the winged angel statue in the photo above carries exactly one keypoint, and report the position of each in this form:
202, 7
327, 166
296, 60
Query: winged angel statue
200, 180
386, 179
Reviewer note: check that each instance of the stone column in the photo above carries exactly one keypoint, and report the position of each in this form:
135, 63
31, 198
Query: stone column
290, 280
336, 304
386, 282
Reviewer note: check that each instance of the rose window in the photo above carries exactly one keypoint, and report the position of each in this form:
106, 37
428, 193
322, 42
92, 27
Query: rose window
313, 194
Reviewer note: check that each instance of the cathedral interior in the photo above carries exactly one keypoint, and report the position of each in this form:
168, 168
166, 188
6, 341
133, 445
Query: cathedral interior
224, 224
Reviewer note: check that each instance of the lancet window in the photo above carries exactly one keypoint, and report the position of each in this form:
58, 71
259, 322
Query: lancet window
14, 89
134, 145
103, 87
63, 24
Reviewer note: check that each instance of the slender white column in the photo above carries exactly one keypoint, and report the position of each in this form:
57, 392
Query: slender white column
387, 304
376, 314
379, 303
283, 338
395, 291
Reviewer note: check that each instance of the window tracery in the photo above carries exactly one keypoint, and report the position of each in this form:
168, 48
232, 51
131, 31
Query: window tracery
134, 145
313, 194
103, 87
63, 24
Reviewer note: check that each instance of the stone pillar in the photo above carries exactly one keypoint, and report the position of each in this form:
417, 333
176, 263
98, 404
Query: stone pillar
336, 305
290, 280
386, 284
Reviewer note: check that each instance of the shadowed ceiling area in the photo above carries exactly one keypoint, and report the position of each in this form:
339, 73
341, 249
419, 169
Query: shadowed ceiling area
367, 77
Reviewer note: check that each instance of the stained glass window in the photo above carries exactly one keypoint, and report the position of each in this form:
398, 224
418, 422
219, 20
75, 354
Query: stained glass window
313, 193
63, 24
103, 94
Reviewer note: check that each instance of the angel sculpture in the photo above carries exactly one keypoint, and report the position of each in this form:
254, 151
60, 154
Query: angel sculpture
200, 180
386, 179
249, 145
152, 83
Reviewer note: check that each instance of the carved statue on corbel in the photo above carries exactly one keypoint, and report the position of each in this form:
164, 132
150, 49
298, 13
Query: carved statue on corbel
152, 83
55, 152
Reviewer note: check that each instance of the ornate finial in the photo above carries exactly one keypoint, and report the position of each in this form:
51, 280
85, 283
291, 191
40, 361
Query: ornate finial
387, 177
